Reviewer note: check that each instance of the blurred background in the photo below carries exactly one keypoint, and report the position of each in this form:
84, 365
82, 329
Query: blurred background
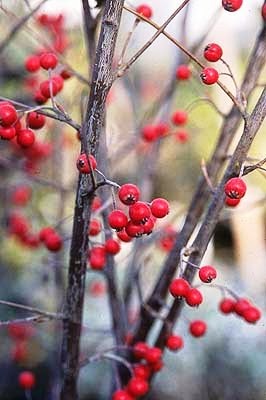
38, 188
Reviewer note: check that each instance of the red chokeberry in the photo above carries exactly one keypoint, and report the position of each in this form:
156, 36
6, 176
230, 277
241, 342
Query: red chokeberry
179, 287
117, 219
144, 10
85, 164
48, 61
26, 138
227, 305
129, 194
26, 380
35, 120
207, 273
209, 75
32, 63
179, 117
197, 328
194, 297
159, 208
139, 212
235, 188
183, 72
174, 342
232, 5
213, 52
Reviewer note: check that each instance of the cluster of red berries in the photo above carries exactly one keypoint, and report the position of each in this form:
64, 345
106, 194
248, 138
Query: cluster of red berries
51, 239
142, 216
12, 125
97, 254
26, 380
20, 334
235, 189
144, 10
149, 361
241, 307
19, 227
153, 132
180, 288
55, 25
212, 52
46, 59
8, 120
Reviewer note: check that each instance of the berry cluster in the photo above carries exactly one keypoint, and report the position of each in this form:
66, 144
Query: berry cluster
149, 361
142, 216
47, 60
241, 307
153, 132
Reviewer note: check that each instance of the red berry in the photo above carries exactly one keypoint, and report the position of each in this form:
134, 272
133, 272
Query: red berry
45, 232
197, 328
97, 288
137, 387
209, 76
241, 305
59, 81
140, 349
207, 273
32, 63
94, 227
153, 355
142, 371
66, 74
97, 257
155, 367
148, 226
112, 246
48, 87
182, 136
123, 236
117, 219
26, 380
179, 287
86, 163
227, 306
179, 117
26, 138
8, 114
183, 72
35, 120
251, 314
174, 342
231, 5
121, 395
129, 194
39, 98
53, 242
21, 195
149, 133
231, 202
7, 133
194, 297
48, 60
96, 204
134, 230
139, 212
235, 188
213, 52
144, 10
263, 11
162, 129
159, 208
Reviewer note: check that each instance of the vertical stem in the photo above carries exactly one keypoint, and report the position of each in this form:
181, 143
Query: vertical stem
101, 83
